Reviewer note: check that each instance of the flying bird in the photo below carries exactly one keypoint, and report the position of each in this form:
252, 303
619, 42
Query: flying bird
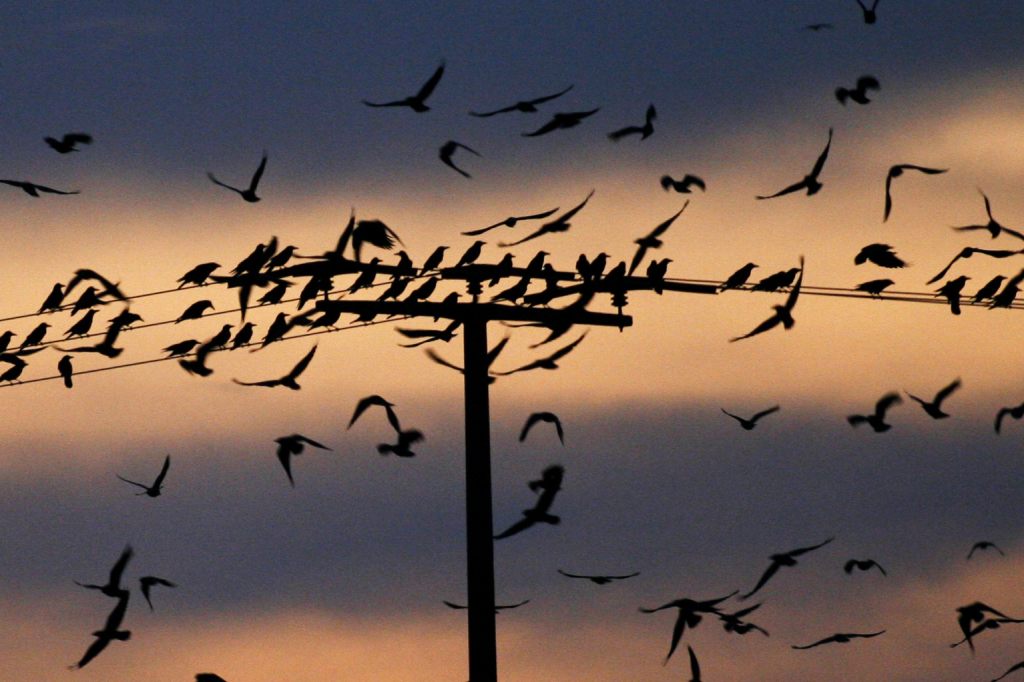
895, 172
934, 408
643, 131
993, 227
783, 313
862, 565
154, 489
840, 638
511, 221
559, 224
877, 420
492, 355
368, 402
113, 588
68, 142
550, 362
780, 560
400, 448
446, 152
249, 193
818, 27
874, 287
690, 615
984, 545
1013, 668
33, 190
289, 379
429, 335
562, 120
109, 633
549, 417
870, 16
417, 102
733, 622
974, 613
1014, 412
525, 106
683, 186
293, 445
548, 485
858, 94
497, 607
147, 582
879, 254
810, 182
694, 665
969, 251
598, 579
651, 240
749, 424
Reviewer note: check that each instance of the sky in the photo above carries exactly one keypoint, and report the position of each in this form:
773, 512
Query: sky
343, 576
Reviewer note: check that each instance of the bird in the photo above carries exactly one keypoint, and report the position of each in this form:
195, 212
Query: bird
969, 251
1014, 412
249, 193
877, 420
840, 638
737, 279
400, 448
33, 190
181, 348
5, 340
471, 254
243, 336
65, 369
550, 362
683, 186
195, 311
491, 356
105, 347
429, 335
810, 182
417, 102
84, 274
289, 379
780, 560
154, 489
951, 291
599, 579
783, 313
733, 622
511, 221
972, 613
89, 299
448, 149
13, 372
656, 271
497, 607
280, 326
870, 16
874, 287
109, 633
549, 417
690, 615
112, 588
53, 299
368, 402
644, 131
34, 337
198, 275
147, 582
548, 484
859, 93
68, 142
124, 319
862, 565
984, 545
1006, 296
993, 227
434, 259
424, 291
818, 27
1013, 668
528, 106
749, 424
82, 326
293, 445
559, 224
694, 665
934, 408
989, 289
651, 240
569, 119
879, 254
895, 172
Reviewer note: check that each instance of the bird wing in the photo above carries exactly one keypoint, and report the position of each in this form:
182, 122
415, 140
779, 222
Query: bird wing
503, 110
966, 252
284, 456
765, 413
923, 169
820, 163
944, 393
888, 194
805, 550
536, 216
429, 86
575, 209
215, 181
517, 527
637, 257
553, 124
770, 323
765, 577
677, 634
796, 186
565, 350
827, 640
867, 82
310, 441
794, 292
258, 174
575, 575
617, 135
493, 353
736, 417
453, 605
548, 98
118, 568
302, 364
270, 383
144, 487
885, 402
662, 227
363, 405
163, 472
694, 665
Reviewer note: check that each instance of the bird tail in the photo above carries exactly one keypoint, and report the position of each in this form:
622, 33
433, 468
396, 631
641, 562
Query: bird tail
856, 419
549, 518
385, 449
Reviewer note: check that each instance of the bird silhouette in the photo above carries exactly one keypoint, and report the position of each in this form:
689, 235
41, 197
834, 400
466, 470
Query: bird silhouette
446, 152
492, 355
5, 340
683, 186
109, 633
195, 311
105, 347
989, 289
82, 326
656, 271
198, 275
862, 565
549, 417
870, 16
433, 261
243, 336
12, 373
146, 584
562, 120
86, 275
209, 677
840, 638
33, 190
1013, 668
249, 193
511, 221
783, 313
951, 290
969, 251
810, 183
525, 106
934, 408
875, 287
124, 319
749, 424
780, 560
599, 579
733, 622
1006, 295
644, 131
550, 362
972, 613
895, 172
54, 299
859, 93
737, 279
65, 370
694, 665
993, 227
559, 224
113, 588
417, 102
548, 486
154, 489
690, 615
181, 348
651, 240
425, 336
1014, 412
777, 281
68, 142
879, 254
400, 448
289, 379
497, 607
471, 254
287, 446
984, 545
370, 401
877, 420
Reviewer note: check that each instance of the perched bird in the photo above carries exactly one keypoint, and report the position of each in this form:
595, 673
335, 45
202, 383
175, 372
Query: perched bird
651, 240
776, 282
424, 291
243, 336
147, 582
195, 311
550, 362
5, 340
562, 120
737, 279
984, 545
417, 102
471, 254
293, 445
951, 291
549, 417
1006, 295
858, 94
68, 142
559, 224
656, 271
895, 172
13, 372
35, 336
82, 326
511, 221
934, 408
840, 638
690, 615
434, 259
249, 193
749, 424
780, 560
989, 289
643, 131
112, 588
198, 275
53, 299
993, 227
875, 287
810, 182
969, 251
548, 485
64, 367
152, 490
181, 348
877, 420
525, 106
862, 565
599, 579
33, 190
446, 152
683, 186
109, 633
1014, 412
870, 16
124, 319
289, 379
783, 313
879, 254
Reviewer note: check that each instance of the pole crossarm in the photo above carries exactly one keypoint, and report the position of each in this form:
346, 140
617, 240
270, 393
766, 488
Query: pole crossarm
478, 311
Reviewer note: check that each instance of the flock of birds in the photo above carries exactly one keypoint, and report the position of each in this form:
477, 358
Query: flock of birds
275, 270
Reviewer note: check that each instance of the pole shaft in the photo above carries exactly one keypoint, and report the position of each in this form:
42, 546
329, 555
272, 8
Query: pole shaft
479, 525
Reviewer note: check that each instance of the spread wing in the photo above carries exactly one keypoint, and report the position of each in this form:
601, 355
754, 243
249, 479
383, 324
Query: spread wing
429, 86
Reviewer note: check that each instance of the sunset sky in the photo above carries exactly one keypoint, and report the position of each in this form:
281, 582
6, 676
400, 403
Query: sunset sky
342, 577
